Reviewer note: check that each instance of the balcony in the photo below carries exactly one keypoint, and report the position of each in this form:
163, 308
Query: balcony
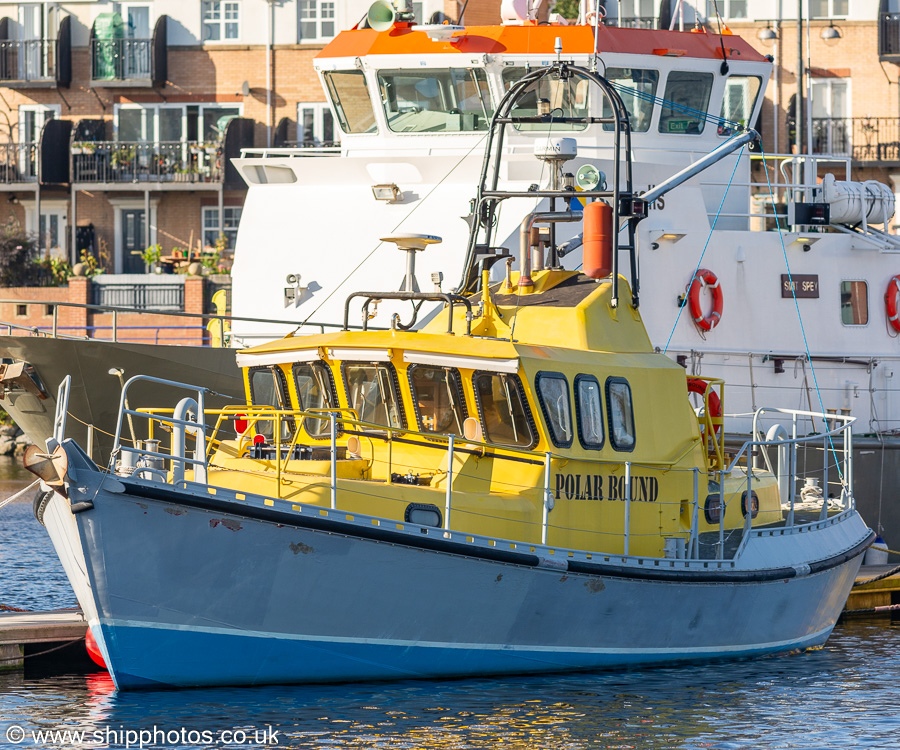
889, 37
866, 140
36, 63
188, 162
118, 62
626, 22
18, 163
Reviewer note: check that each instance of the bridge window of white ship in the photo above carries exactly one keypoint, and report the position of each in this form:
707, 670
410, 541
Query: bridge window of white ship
268, 387
637, 88
687, 102
373, 392
315, 390
438, 399
505, 419
854, 303
436, 101
739, 101
350, 99
553, 394
569, 98
589, 412
621, 414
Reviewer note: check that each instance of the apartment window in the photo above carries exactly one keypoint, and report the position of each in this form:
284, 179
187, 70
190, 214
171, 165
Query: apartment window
21, 311
830, 104
315, 125
828, 8
221, 20
728, 8
854, 303
316, 20
230, 220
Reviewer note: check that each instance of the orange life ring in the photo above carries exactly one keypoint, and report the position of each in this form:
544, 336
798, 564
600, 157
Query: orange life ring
701, 277
700, 386
890, 302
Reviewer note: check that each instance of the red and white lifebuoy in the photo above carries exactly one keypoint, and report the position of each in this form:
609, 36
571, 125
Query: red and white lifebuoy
711, 320
700, 386
891, 302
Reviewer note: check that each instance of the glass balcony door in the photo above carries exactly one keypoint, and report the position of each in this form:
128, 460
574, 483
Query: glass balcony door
35, 22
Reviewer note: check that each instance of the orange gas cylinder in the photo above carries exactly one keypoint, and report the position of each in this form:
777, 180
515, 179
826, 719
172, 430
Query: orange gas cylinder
598, 240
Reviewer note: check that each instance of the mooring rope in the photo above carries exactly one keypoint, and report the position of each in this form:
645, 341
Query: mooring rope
8, 500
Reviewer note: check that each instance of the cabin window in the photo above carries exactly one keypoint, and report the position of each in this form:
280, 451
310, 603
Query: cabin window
739, 101
315, 390
268, 387
350, 98
854, 303
436, 101
553, 394
501, 404
637, 87
687, 102
372, 391
438, 398
621, 414
589, 412
567, 98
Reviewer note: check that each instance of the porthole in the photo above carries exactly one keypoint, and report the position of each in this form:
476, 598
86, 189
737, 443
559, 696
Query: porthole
423, 514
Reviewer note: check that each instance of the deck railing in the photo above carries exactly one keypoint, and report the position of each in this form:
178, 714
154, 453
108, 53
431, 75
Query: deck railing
18, 162
121, 59
135, 161
27, 59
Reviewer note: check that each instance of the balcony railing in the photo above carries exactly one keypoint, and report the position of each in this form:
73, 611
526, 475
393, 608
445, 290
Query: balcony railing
168, 297
889, 36
18, 162
626, 22
863, 139
121, 59
28, 60
128, 161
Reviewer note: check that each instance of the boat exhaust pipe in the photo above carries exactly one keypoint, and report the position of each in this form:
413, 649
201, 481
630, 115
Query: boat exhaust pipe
526, 284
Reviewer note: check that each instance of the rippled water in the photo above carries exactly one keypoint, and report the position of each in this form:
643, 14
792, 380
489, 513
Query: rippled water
842, 696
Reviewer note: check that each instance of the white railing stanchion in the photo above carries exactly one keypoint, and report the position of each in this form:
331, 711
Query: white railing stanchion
627, 507
333, 426
548, 499
449, 482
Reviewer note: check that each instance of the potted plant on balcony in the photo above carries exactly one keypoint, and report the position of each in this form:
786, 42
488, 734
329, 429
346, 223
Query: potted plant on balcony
122, 158
151, 256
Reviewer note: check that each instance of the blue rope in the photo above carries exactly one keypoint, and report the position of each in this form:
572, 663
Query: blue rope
698, 113
708, 238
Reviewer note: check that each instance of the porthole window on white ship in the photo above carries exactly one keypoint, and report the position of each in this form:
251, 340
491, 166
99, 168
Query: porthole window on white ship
567, 98
687, 102
621, 414
739, 101
854, 303
637, 88
436, 101
350, 98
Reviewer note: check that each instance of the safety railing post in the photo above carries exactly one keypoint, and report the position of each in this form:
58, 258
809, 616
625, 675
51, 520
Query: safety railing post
748, 502
547, 504
55, 319
694, 547
449, 482
826, 459
333, 428
848, 452
720, 552
627, 507
115, 326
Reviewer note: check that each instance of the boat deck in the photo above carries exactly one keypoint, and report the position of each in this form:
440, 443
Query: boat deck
27, 634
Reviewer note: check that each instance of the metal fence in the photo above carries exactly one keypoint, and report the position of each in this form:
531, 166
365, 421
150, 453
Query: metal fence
861, 138
131, 161
889, 35
18, 162
27, 59
121, 59
626, 22
168, 297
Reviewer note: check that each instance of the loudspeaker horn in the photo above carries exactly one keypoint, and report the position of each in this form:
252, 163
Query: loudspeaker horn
381, 15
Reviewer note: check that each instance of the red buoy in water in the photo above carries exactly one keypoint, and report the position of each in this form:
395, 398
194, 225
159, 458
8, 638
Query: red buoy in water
94, 650
598, 240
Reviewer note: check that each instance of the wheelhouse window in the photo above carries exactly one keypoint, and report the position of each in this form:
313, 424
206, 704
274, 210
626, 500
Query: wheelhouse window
553, 393
739, 101
621, 414
350, 99
854, 303
268, 387
436, 101
315, 390
589, 412
501, 405
372, 391
637, 87
687, 97
438, 397
569, 98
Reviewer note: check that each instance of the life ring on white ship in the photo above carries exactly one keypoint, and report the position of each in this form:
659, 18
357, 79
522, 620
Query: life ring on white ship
701, 277
890, 302
700, 386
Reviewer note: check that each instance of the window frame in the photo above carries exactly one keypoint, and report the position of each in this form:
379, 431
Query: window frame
331, 391
551, 375
221, 22
529, 417
528, 66
286, 398
320, 112
841, 308
703, 121
395, 384
722, 129
337, 107
318, 19
229, 232
615, 379
581, 378
459, 394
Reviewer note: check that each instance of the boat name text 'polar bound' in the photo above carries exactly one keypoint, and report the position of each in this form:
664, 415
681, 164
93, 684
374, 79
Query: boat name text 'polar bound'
590, 487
